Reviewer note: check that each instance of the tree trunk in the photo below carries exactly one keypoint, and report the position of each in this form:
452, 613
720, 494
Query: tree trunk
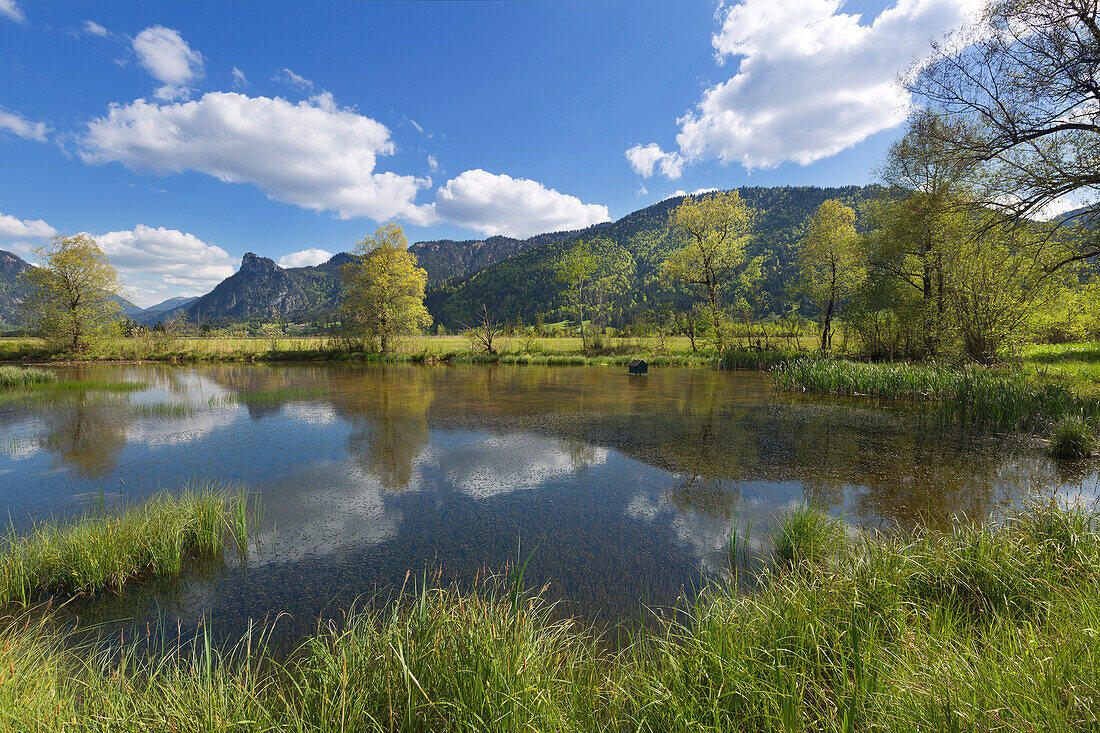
711, 292
827, 325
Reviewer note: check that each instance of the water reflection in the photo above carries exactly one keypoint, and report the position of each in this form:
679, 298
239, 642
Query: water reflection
629, 487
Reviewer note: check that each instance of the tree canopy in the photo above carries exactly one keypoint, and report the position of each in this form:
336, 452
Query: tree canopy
385, 289
70, 296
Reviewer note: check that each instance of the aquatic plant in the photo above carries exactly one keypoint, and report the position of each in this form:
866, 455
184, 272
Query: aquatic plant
988, 627
972, 394
99, 552
807, 534
1072, 437
757, 360
12, 376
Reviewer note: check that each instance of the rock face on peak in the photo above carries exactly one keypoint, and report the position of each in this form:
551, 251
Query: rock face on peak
252, 263
446, 259
260, 289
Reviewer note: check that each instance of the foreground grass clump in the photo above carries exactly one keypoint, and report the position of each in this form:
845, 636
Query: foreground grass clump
808, 535
1072, 437
1002, 398
981, 629
984, 628
100, 552
11, 376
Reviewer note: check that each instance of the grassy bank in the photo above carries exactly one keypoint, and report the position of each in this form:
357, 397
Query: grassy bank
100, 552
1005, 398
986, 628
670, 351
414, 349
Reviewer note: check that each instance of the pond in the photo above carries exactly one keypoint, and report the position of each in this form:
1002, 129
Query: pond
623, 489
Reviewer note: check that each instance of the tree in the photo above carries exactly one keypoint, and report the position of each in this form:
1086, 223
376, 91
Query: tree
715, 228
576, 270
924, 212
996, 286
71, 296
487, 330
830, 262
1022, 87
385, 289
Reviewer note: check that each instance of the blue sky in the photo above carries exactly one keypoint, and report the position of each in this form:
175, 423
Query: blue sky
183, 135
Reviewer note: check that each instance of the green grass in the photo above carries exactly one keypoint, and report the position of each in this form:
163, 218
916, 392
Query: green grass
757, 360
11, 376
1075, 364
985, 628
807, 535
1073, 437
1005, 398
99, 552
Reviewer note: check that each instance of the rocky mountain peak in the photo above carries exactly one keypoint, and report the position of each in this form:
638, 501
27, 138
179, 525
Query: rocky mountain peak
253, 263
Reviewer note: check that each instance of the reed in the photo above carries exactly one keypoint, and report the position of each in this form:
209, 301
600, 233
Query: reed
1073, 437
12, 376
982, 628
100, 552
971, 394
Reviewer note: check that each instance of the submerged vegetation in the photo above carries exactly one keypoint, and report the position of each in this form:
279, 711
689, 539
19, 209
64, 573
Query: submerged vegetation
986, 627
103, 552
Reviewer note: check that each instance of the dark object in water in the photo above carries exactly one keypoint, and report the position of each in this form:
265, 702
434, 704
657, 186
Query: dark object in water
638, 366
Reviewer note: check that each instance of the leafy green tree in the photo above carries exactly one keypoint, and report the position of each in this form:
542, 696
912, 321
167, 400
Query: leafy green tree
830, 262
1022, 88
71, 296
714, 229
385, 289
996, 285
576, 271
925, 213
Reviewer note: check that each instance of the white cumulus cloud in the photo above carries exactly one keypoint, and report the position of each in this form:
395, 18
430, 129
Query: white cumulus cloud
646, 160
13, 228
165, 55
810, 79
12, 10
157, 263
312, 154
20, 126
305, 258
517, 207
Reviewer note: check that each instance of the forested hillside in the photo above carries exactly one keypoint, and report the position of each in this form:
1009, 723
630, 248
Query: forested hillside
631, 251
447, 259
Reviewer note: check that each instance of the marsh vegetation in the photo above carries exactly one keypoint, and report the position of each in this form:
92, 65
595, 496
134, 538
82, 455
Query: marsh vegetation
930, 631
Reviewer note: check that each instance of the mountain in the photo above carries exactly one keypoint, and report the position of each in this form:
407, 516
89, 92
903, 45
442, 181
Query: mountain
128, 309
517, 278
12, 290
447, 259
632, 249
260, 289
171, 304
164, 311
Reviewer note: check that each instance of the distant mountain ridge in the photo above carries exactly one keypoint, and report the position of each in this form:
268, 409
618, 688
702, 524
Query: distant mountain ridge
447, 259
13, 290
513, 277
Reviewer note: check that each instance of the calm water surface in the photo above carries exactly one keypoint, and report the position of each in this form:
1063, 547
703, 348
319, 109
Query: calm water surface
627, 486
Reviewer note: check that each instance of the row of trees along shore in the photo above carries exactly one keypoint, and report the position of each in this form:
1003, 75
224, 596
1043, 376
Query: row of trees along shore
957, 258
